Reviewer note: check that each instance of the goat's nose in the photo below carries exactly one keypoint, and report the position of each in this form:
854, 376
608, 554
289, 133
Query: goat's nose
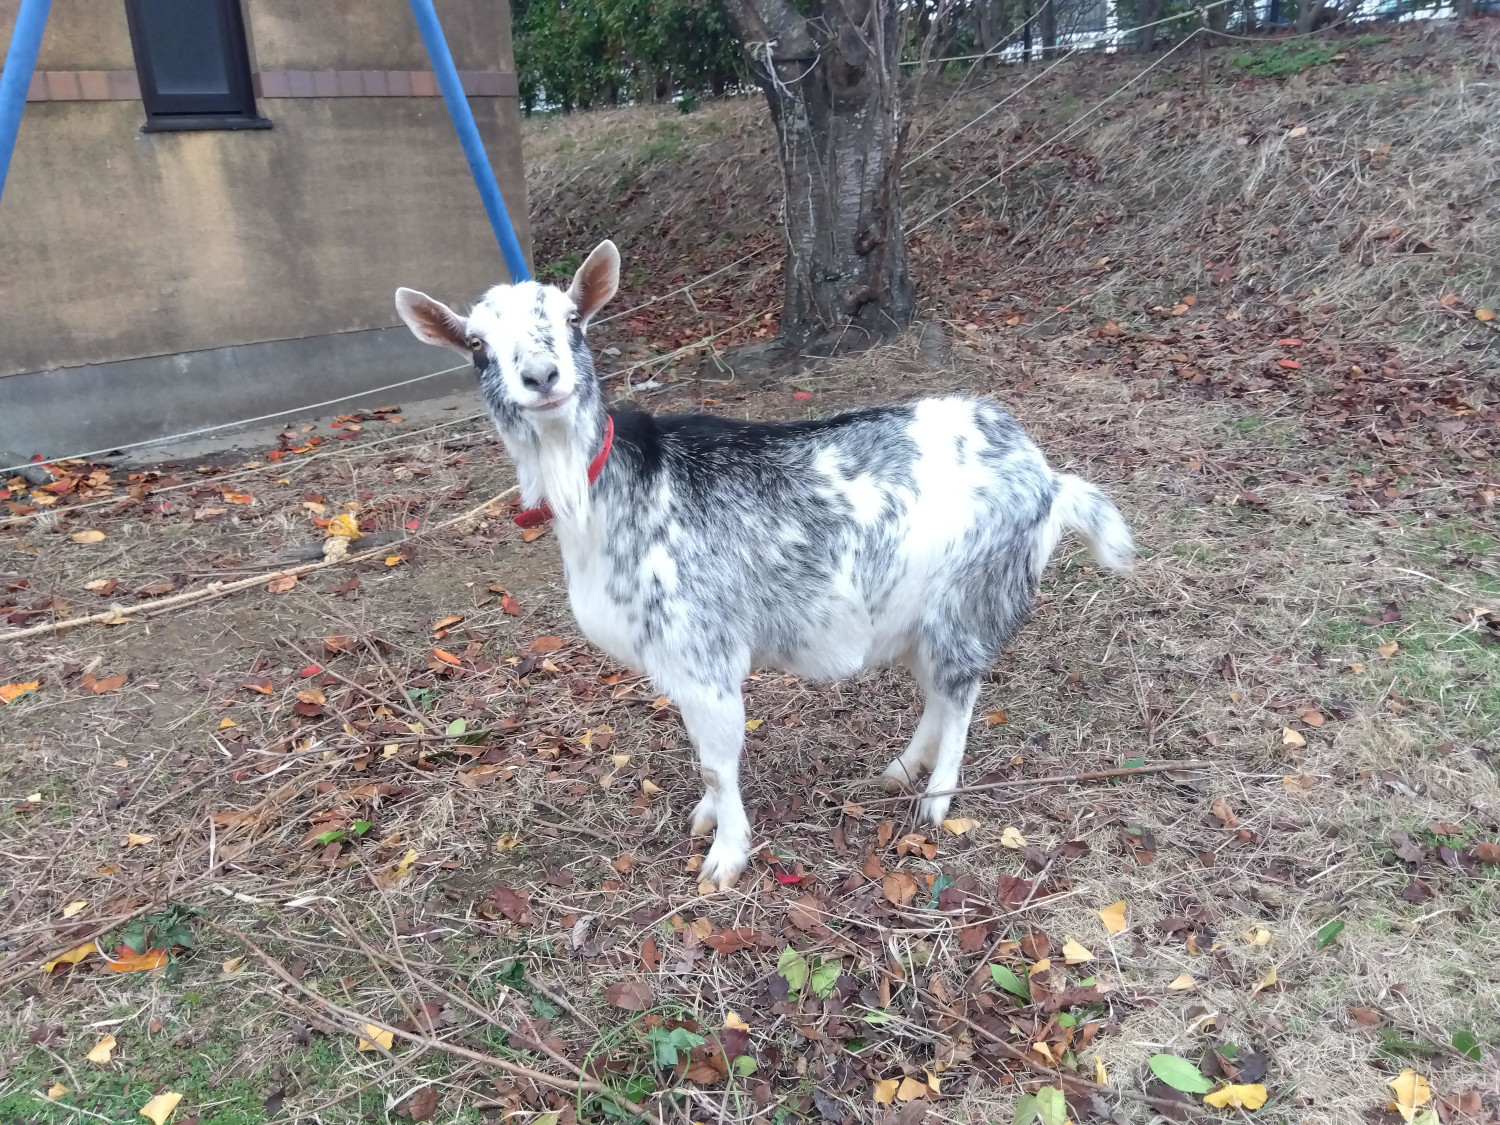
541, 383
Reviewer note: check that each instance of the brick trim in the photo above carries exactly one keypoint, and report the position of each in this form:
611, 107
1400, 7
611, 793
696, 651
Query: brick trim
122, 85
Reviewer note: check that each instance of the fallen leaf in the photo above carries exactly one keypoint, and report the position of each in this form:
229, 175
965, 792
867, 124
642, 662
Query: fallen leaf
960, 825
1113, 917
146, 962
1485, 315
136, 839
88, 537
233, 965
885, 1091
345, 526
899, 888
910, 1089
1221, 809
424, 1103
996, 719
281, 584
1412, 1092
71, 957
405, 865
1388, 650
74, 907
372, 1038
1266, 981
1075, 954
159, 1108
102, 1050
56, 1090
1299, 131
631, 996
1240, 1097
446, 657
1258, 935
753, 724
732, 1022
1183, 983
1101, 1076
9, 692
1289, 737
1012, 838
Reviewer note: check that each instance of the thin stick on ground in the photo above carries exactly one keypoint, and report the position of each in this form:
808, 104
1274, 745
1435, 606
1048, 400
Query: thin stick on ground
362, 1022
1057, 779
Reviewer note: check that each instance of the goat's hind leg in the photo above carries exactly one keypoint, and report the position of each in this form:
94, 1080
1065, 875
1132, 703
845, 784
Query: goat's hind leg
715, 721
956, 707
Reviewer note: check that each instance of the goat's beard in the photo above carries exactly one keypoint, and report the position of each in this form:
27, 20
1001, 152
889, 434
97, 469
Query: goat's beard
552, 464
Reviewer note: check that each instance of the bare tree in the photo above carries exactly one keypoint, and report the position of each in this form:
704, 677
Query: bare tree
830, 79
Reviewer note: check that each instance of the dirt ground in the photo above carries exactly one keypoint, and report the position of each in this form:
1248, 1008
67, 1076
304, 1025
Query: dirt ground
403, 795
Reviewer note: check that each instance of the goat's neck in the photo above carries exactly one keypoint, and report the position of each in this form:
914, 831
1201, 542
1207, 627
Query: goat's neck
552, 461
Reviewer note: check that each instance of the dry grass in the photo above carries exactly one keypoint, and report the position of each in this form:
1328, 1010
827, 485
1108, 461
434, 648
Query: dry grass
1255, 551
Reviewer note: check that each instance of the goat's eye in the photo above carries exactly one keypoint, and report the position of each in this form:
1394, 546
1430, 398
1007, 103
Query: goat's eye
573, 318
476, 344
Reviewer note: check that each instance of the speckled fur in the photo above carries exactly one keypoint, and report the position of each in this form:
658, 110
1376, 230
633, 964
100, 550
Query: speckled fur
911, 534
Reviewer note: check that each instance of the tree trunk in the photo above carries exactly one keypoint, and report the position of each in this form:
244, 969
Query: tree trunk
1147, 11
830, 80
1463, 9
987, 30
1046, 26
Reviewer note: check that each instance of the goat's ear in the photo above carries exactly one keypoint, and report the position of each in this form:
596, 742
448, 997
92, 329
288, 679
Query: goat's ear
596, 280
431, 321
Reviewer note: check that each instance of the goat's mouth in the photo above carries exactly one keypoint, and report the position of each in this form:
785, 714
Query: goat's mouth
551, 402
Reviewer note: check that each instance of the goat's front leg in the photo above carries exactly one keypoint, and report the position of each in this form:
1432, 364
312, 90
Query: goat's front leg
715, 720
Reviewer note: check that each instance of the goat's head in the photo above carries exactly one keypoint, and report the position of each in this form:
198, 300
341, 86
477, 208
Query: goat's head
527, 341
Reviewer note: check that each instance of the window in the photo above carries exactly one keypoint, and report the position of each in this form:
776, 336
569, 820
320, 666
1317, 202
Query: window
193, 64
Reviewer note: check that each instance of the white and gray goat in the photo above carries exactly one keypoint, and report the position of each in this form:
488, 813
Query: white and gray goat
913, 534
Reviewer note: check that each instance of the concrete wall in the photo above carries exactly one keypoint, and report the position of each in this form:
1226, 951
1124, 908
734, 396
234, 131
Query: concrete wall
117, 245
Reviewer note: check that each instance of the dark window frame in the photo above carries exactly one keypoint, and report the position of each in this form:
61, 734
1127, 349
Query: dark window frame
172, 112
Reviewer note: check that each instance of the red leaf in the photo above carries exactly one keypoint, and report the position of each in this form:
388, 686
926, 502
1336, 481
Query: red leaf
632, 996
1288, 363
787, 880
260, 684
412, 525
310, 671
515, 905
802, 394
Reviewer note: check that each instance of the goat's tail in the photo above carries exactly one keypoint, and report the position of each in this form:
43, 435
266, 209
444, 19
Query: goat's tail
1079, 506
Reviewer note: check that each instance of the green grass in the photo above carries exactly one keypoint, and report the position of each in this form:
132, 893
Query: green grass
1294, 56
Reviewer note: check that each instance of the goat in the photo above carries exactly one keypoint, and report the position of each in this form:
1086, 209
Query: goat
911, 534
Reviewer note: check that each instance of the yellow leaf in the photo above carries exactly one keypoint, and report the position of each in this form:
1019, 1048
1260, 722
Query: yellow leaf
102, 1050
1484, 314
1041, 966
1266, 981
405, 865
88, 537
732, 1022
71, 957
753, 724
1289, 737
1075, 954
506, 842
1356, 667
233, 965
1241, 1097
649, 787
1258, 935
344, 524
996, 719
1388, 650
933, 1082
122, 762
706, 887
159, 1108
394, 560
1183, 983
74, 907
910, 1089
1113, 917
885, 1091
108, 869
56, 1090
1412, 1092
1101, 1076
140, 962
960, 825
9, 692
1012, 838
373, 1038
390, 750
135, 840
620, 760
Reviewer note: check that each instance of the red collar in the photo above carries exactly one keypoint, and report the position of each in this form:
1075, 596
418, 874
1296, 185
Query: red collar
535, 517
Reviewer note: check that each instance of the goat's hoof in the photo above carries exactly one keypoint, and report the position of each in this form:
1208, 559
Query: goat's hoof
934, 810
705, 819
896, 779
723, 865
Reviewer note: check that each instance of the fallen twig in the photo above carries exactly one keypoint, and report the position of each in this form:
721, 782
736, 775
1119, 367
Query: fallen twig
361, 1022
1059, 779
218, 590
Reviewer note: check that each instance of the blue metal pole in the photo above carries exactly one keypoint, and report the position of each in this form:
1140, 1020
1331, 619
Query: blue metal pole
15, 79
468, 135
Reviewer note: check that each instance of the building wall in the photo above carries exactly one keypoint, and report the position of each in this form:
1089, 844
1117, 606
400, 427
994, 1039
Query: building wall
118, 245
